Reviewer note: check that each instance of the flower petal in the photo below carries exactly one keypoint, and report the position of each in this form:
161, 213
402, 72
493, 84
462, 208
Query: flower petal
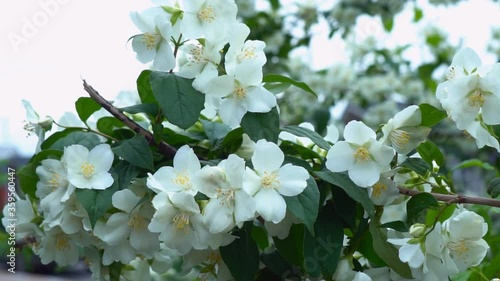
267, 157
292, 180
270, 205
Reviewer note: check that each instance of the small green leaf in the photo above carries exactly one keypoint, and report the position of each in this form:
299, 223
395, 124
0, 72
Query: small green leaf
357, 193
494, 188
396, 225
144, 87
126, 173
312, 135
232, 141
387, 252
418, 205
115, 271
135, 151
262, 125
214, 130
259, 235
430, 152
277, 264
431, 115
345, 207
322, 252
291, 148
388, 24
473, 163
276, 78
85, 107
305, 205
107, 125
60, 141
417, 14
97, 202
291, 248
416, 164
297, 162
179, 101
242, 255
149, 108
28, 179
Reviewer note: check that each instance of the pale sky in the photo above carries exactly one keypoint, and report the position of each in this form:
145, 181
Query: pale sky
45, 50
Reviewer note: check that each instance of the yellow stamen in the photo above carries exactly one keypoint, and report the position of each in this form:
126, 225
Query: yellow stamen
181, 220
136, 222
207, 14
87, 170
151, 40
62, 243
459, 248
476, 99
377, 189
400, 138
240, 92
183, 179
361, 154
270, 180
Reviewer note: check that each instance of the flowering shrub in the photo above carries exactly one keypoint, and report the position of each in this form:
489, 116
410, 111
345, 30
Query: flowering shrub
201, 177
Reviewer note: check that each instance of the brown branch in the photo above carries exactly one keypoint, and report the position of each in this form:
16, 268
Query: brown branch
165, 149
461, 199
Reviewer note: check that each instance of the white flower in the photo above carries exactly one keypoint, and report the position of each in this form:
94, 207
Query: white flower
202, 63
207, 18
464, 63
240, 50
89, 170
178, 178
465, 244
403, 132
410, 253
246, 149
303, 141
53, 181
35, 124
180, 224
360, 154
482, 136
281, 229
154, 43
19, 217
269, 181
229, 204
210, 262
241, 91
70, 216
59, 247
383, 192
130, 224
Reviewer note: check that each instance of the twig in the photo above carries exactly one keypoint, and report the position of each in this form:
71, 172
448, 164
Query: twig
165, 149
461, 199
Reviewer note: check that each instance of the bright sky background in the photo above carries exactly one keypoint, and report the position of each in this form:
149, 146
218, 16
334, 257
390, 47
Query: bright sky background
88, 39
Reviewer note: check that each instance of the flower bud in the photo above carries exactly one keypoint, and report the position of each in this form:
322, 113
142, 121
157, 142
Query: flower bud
417, 230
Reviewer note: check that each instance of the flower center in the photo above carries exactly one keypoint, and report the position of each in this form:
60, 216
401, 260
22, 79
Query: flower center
181, 220
87, 170
377, 189
151, 40
270, 180
182, 178
240, 92
29, 127
207, 14
62, 243
136, 222
476, 99
226, 196
247, 53
400, 138
459, 248
361, 154
197, 55
55, 181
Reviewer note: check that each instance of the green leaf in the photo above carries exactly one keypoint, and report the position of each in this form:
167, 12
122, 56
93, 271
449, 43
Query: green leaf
387, 252
107, 125
126, 173
388, 24
28, 179
473, 163
144, 87
231, 142
135, 151
430, 152
494, 188
60, 140
45, 154
312, 135
277, 88
431, 115
357, 193
291, 248
115, 271
289, 147
345, 207
417, 14
278, 265
214, 130
322, 252
85, 107
148, 108
297, 162
305, 205
396, 225
259, 235
416, 164
179, 101
97, 202
276, 78
242, 255
262, 125
418, 205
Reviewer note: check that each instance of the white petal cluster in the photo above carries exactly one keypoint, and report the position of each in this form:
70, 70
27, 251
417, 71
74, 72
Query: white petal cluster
471, 96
